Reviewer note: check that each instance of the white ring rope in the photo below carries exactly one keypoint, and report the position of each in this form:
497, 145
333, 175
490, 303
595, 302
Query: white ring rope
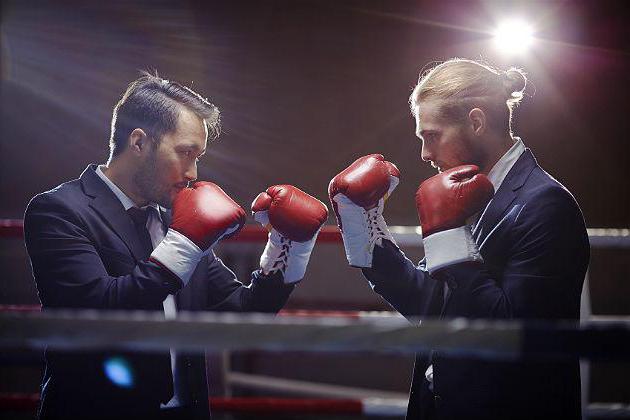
198, 331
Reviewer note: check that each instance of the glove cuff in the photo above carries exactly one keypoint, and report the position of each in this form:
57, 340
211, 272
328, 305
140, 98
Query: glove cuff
449, 247
178, 254
289, 257
361, 230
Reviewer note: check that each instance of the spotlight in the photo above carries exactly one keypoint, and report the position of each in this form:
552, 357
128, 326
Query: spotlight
513, 36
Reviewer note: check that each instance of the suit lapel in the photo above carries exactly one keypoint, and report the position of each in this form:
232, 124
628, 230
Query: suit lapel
108, 206
167, 217
504, 196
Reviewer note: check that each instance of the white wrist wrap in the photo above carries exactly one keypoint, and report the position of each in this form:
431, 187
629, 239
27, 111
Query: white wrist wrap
288, 256
361, 230
450, 247
178, 254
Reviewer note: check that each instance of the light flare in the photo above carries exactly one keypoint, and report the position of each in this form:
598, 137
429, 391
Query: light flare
514, 36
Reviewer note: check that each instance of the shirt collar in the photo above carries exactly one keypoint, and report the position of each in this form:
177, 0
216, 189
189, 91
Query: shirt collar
500, 169
124, 198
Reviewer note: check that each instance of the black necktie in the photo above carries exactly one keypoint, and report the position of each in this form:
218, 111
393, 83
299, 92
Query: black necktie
139, 217
160, 362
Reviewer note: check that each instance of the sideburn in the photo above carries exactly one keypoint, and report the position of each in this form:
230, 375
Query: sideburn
475, 152
145, 178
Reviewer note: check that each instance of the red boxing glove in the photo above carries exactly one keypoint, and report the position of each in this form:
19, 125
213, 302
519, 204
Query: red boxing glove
446, 200
202, 215
365, 181
293, 218
206, 214
358, 195
295, 214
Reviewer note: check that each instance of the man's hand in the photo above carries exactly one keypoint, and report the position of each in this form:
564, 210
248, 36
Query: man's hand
293, 219
202, 216
444, 202
205, 214
358, 194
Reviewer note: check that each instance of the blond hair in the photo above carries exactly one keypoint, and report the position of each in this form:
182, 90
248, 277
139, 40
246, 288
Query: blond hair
461, 85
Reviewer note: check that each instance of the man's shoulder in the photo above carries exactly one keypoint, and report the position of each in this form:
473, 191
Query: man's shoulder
542, 186
65, 193
66, 197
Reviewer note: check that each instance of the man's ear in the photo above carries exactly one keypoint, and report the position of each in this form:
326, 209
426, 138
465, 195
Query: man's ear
138, 141
478, 121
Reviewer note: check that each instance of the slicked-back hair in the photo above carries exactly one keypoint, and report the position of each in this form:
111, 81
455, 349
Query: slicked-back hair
461, 85
152, 103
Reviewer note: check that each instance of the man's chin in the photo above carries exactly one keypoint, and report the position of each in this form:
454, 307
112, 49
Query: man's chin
439, 168
166, 202
168, 198
443, 168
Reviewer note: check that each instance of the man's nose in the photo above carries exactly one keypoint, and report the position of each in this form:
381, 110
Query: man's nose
191, 173
426, 154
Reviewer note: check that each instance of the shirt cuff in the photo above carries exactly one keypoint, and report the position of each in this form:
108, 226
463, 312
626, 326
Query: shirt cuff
450, 247
178, 254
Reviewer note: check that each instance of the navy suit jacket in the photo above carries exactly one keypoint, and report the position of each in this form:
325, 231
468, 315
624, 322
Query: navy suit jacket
85, 253
535, 249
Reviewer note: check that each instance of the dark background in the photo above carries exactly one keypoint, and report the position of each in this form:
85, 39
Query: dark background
306, 87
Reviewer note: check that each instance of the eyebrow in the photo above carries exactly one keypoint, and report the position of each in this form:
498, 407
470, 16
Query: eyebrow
193, 147
422, 133
190, 146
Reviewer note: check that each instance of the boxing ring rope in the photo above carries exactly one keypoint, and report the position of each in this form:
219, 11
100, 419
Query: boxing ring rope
148, 331
576, 339
382, 407
260, 405
606, 338
404, 235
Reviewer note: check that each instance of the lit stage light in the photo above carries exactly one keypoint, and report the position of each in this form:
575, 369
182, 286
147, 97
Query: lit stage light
513, 36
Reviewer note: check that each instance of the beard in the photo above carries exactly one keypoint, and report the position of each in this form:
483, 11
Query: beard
471, 153
147, 182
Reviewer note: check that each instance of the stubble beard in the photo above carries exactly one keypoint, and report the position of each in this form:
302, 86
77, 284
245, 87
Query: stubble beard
146, 180
475, 155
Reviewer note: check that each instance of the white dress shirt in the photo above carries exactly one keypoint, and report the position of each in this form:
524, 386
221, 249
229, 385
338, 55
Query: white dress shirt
156, 229
446, 250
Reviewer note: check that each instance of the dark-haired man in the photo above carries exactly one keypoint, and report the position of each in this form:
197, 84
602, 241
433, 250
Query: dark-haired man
132, 234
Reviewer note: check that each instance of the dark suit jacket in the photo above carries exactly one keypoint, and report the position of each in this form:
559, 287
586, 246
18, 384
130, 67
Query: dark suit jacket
535, 248
85, 253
